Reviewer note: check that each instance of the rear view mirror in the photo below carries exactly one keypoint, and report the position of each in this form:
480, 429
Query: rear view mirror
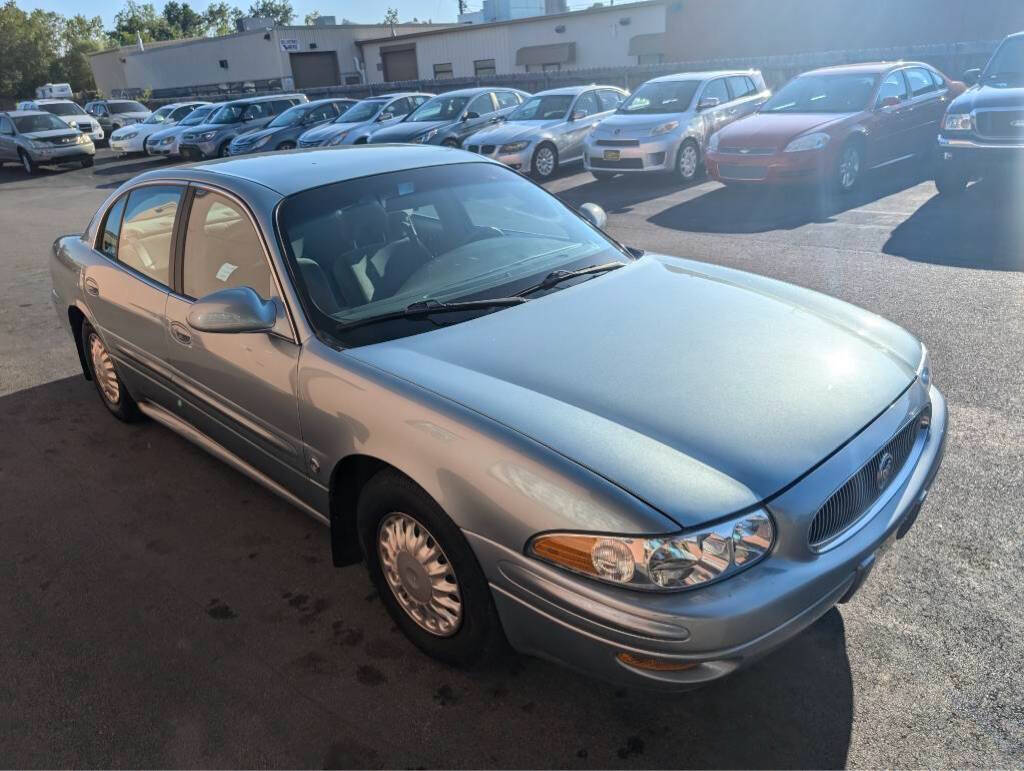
231, 311
594, 214
972, 76
708, 102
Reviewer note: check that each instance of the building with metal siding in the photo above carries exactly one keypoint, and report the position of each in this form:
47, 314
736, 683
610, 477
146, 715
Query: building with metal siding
595, 37
209, 65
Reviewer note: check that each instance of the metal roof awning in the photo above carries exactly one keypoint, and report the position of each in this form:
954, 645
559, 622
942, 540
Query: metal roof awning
644, 45
553, 53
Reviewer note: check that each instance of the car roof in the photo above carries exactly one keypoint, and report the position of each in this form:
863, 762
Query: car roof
569, 90
20, 113
866, 68
478, 90
264, 98
290, 173
51, 100
708, 75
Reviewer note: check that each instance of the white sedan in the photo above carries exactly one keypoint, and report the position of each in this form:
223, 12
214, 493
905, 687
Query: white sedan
132, 139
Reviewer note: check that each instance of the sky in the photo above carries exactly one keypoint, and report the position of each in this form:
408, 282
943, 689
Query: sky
364, 11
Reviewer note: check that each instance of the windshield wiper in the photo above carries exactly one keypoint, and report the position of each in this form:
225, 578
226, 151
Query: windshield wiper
558, 276
430, 307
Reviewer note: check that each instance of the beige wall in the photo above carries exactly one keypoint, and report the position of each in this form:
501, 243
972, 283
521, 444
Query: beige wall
601, 41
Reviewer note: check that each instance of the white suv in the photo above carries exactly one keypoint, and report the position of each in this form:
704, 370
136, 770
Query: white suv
69, 112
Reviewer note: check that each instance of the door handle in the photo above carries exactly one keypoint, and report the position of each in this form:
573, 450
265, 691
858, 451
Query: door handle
92, 287
180, 333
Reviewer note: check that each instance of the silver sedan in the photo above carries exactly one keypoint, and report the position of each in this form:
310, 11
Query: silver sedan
695, 465
548, 129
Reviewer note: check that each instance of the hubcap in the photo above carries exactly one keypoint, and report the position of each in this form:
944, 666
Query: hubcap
849, 167
688, 161
419, 574
26, 163
103, 370
545, 161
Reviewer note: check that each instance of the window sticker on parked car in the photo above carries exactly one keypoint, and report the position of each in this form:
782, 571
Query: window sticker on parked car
225, 271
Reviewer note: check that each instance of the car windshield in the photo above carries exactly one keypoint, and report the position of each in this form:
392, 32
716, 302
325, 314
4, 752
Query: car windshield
62, 108
552, 107
290, 117
375, 245
361, 111
26, 124
160, 116
662, 97
1007, 62
824, 93
229, 113
119, 107
440, 108
197, 116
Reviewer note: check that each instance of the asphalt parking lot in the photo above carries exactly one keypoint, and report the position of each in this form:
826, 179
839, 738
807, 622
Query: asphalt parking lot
160, 610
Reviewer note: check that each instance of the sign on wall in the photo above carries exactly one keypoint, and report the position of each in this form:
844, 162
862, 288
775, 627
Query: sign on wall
289, 44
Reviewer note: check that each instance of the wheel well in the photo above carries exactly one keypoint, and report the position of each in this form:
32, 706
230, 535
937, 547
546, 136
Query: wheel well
360, 141
348, 478
77, 319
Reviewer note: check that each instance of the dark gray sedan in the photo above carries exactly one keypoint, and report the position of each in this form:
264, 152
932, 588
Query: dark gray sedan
282, 133
449, 118
647, 468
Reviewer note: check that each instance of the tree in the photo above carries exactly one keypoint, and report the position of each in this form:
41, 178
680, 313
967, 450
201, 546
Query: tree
29, 49
311, 18
221, 17
280, 11
79, 36
184, 21
391, 17
137, 20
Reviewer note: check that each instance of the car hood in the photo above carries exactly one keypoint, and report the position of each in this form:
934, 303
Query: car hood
512, 131
140, 116
989, 96
171, 131
635, 125
251, 136
776, 130
51, 133
406, 130
203, 127
699, 389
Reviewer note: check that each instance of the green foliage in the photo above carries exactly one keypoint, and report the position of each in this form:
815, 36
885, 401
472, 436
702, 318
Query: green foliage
184, 21
311, 18
280, 11
221, 17
391, 17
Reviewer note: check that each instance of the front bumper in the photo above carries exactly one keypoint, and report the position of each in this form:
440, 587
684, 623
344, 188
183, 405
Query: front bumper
197, 151
134, 145
721, 627
520, 161
68, 154
978, 157
775, 169
651, 154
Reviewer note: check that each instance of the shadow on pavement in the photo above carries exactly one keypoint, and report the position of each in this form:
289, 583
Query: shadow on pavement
620, 194
982, 228
757, 210
119, 166
161, 610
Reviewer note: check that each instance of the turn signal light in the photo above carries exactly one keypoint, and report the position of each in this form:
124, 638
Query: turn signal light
655, 665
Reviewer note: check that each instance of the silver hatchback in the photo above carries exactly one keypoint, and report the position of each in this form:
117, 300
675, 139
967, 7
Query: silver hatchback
665, 125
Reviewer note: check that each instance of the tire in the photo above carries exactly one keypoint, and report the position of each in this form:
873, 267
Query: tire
222, 151
951, 182
450, 143
88, 162
544, 164
849, 168
113, 394
603, 176
687, 166
286, 146
392, 507
30, 166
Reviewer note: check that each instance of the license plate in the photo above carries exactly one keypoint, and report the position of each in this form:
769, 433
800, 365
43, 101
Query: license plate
611, 155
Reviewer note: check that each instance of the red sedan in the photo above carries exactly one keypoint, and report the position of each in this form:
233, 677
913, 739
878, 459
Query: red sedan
831, 125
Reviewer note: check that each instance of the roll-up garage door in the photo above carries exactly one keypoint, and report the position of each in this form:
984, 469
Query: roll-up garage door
316, 68
399, 62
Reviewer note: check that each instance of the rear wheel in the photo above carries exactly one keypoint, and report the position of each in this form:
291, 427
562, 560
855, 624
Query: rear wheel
425, 571
30, 166
104, 375
545, 162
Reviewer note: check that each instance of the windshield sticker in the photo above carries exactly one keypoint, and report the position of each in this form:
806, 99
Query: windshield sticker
225, 271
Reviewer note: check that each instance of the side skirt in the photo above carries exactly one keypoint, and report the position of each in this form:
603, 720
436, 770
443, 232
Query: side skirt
180, 427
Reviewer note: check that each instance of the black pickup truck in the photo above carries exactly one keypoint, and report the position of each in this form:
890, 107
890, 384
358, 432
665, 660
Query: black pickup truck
982, 132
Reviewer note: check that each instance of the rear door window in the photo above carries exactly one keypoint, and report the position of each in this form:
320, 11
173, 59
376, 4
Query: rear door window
144, 243
587, 104
506, 99
482, 105
741, 86
717, 89
920, 81
610, 100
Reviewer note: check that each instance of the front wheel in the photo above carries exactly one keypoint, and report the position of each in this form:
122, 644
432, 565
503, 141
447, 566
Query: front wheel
545, 162
30, 166
222, 151
688, 161
848, 168
951, 181
286, 146
113, 394
87, 162
450, 143
425, 571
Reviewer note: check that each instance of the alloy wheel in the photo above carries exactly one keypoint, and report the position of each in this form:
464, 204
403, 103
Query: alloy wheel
688, 161
545, 161
103, 370
419, 574
26, 163
849, 167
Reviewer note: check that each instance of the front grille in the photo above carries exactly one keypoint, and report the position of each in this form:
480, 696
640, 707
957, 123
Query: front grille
999, 124
622, 163
860, 492
487, 149
308, 143
746, 150
65, 140
473, 148
618, 142
733, 171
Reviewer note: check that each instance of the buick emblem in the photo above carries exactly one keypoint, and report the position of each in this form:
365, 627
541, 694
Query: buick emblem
885, 468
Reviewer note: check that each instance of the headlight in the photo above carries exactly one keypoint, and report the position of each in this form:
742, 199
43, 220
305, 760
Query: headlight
924, 369
814, 141
513, 147
129, 135
206, 136
427, 136
337, 139
664, 128
166, 140
958, 122
262, 141
672, 562
713, 143
84, 139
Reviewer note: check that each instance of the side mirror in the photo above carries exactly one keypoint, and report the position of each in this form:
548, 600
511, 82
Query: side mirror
972, 76
594, 214
386, 116
578, 115
889, 101
470, 115
233, 310
708, 102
